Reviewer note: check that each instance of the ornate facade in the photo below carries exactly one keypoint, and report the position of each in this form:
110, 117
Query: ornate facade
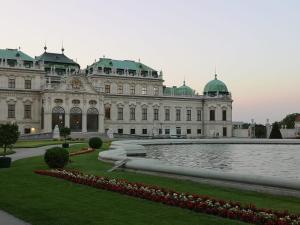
125, 96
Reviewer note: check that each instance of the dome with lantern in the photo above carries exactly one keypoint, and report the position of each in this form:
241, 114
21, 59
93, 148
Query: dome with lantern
215, 87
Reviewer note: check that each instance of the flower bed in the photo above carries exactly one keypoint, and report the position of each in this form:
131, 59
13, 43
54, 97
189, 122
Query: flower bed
199, 203
82, 151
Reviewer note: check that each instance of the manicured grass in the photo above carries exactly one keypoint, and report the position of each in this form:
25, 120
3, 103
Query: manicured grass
43, 200
40, 143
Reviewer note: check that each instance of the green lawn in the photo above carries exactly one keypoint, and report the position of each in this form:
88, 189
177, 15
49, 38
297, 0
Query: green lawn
43, 200
40, 143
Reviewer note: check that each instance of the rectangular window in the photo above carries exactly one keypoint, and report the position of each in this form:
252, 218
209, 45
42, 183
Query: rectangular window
120, 113
155, 111
27, 84
144, 131
132, 113
132, 90
198, 131
11, 111
224, 131
11, 83
178, 114
178, 130
107, 89
188, 115
27, 111
159, 131
132, 131
167, 131
120, 89
107, 113
144, 90
224, 115
144, 114
188, 131
212, 116
155, 90
198, 115
120, 131
167, 114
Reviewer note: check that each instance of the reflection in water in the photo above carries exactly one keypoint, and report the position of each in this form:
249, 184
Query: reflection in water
265, 160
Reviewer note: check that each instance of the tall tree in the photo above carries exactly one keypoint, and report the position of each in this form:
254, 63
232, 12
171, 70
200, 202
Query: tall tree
289, 121
275, 133
9, 134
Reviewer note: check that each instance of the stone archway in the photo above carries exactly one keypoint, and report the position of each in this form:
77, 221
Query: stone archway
76, 119
58, 117
92, 120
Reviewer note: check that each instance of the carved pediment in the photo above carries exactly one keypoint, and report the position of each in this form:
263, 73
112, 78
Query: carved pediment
76, 83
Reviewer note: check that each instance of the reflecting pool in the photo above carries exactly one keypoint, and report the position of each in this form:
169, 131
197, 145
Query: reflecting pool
265, 160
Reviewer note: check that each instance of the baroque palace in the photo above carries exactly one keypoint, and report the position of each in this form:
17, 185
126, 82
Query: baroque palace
122, 96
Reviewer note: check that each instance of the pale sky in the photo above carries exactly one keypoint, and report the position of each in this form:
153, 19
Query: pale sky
254, 44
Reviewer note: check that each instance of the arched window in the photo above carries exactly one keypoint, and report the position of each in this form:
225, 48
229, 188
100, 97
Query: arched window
76, 119
58, 117
92, 120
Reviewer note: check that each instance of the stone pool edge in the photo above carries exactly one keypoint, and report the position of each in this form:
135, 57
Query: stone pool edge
133, 150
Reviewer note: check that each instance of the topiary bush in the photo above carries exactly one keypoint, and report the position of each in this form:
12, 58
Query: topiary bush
95, 142
56, 157
275, 133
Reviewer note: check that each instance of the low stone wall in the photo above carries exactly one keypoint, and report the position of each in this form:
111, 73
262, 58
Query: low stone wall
121, 150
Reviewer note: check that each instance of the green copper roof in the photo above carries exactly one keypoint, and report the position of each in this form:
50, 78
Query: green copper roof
122, 64
179, 91
56, 58
185, 90
215, 86
14, 54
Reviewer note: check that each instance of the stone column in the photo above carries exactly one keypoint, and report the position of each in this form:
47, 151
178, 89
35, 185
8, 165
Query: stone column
101, 123
67, 119
47, 122
84, 122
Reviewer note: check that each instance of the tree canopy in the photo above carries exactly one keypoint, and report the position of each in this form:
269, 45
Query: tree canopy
289, 121
275, 133
9, 134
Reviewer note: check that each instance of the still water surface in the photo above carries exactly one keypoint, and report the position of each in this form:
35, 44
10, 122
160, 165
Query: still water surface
266, 160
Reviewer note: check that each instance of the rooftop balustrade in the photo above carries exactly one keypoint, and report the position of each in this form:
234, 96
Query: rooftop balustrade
19, 64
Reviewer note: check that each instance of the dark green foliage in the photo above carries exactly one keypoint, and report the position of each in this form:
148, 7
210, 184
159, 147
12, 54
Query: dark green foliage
65, 145
289, 121
275, 133
260, 131
95, 142
65, 132
9, 134
56, 157
5, 162
245, 125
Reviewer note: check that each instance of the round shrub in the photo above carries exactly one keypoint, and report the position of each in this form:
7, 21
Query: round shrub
56, 157
65, 145
95, 142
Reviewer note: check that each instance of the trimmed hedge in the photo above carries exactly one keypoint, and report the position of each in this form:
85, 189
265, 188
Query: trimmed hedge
95, 142
56, 157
